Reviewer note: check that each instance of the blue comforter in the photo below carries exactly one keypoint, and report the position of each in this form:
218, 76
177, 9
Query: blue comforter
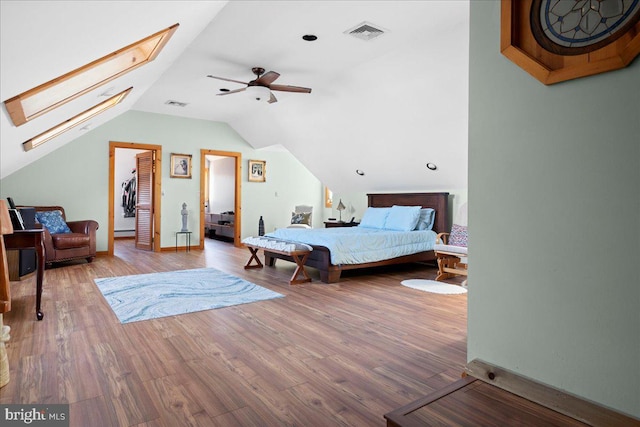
357, 245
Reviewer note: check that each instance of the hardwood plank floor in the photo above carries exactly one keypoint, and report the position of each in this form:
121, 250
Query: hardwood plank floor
339, 354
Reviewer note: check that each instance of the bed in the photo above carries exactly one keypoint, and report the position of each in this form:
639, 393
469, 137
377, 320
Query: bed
321, 256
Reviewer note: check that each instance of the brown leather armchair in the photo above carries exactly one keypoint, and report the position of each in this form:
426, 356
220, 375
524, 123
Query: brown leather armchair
80, 243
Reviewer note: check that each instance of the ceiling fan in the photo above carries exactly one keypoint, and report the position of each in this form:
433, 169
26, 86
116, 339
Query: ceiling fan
260, 88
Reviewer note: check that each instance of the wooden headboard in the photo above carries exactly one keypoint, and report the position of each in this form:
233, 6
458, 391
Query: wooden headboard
437, 201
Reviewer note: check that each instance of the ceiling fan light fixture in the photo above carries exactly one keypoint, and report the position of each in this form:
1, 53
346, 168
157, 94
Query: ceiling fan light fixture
258, 93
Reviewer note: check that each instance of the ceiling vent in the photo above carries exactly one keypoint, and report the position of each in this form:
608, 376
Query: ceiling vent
176, 103
365, 31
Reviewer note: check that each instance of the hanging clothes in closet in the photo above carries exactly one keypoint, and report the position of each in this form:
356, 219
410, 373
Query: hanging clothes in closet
129, 196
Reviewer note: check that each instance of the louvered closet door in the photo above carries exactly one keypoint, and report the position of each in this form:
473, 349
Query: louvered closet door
144, 201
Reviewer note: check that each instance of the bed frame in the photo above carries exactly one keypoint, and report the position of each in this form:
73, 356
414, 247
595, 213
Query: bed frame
320, 257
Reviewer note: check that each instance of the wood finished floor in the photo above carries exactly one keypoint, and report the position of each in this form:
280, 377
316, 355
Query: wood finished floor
325, 355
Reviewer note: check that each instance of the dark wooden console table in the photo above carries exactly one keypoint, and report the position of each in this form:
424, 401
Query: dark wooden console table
30, 239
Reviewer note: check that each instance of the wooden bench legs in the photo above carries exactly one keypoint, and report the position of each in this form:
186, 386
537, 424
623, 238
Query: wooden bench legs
254, 256
300, 260
300, 257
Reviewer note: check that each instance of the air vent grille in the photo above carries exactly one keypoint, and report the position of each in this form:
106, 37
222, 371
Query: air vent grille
176, 103
365, 31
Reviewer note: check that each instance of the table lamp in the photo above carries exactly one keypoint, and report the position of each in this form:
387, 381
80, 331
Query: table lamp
340, 208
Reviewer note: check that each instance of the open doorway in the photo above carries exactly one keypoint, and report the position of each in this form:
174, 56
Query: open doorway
220, 187
122, 201
125, 191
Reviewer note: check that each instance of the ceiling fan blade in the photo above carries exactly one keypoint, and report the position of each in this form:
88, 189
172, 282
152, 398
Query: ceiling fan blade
272, 99
267, 78
232, 91
227, 80
286, 88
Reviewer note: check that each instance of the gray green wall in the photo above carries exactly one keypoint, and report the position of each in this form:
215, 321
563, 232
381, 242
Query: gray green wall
76, 175
554, 223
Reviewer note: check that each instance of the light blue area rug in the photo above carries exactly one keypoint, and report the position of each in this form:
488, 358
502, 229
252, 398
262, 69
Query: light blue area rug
148, 296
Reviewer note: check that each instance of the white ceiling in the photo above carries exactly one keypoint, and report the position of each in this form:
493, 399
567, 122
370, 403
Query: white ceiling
386, 106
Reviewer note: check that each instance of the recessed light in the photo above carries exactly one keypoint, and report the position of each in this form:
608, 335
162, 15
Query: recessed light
360, 172
432, 166
310, 37
224, 89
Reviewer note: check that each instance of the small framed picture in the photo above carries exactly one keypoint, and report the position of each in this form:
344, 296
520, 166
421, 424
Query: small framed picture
257, 170
180, 165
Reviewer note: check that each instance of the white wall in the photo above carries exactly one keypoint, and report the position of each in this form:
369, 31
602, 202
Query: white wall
222, 184
554, 223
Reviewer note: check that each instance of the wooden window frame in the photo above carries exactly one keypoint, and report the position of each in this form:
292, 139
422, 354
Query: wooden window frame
54, 93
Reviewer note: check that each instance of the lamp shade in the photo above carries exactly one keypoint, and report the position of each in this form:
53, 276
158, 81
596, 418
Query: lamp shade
340, 208
258, 93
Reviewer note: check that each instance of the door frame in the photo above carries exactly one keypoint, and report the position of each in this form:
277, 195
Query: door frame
237, 229
157, 186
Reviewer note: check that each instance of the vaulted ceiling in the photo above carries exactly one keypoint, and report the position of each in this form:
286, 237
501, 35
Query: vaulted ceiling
387, 106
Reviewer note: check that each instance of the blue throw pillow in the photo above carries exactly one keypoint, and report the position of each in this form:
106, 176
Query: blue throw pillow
427, 217
374, 217
53, 221
402, 218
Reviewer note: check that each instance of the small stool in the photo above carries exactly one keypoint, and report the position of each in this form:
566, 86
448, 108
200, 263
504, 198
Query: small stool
188, 239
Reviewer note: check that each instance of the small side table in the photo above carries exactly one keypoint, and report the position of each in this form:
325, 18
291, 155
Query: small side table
332, 224
31, 239
188, 239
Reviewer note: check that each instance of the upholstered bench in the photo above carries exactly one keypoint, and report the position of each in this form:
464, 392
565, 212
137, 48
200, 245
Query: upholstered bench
298, 251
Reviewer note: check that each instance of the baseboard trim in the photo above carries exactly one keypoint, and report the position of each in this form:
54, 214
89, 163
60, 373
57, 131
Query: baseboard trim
576, 407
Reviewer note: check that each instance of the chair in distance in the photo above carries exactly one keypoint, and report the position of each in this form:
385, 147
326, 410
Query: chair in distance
302, 217
451, 249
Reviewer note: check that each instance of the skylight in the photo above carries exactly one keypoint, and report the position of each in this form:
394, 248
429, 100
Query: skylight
54, 93
74, 121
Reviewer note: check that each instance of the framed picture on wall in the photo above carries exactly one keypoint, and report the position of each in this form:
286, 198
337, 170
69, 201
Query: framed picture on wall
180, 165
257, 170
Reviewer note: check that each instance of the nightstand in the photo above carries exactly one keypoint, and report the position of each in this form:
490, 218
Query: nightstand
331, 224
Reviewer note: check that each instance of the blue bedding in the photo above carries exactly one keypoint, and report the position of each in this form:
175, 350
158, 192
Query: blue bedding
357, 245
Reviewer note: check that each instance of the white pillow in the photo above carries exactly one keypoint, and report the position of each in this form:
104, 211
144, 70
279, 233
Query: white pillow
402, 218
298, 226
374, 217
